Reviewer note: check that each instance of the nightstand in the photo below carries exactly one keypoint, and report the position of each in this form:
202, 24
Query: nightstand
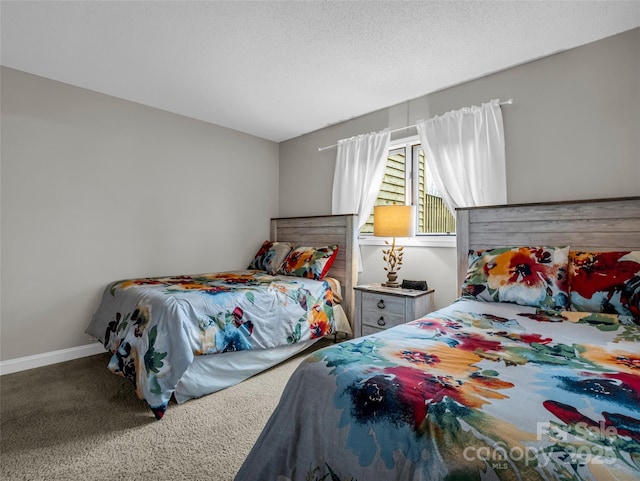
379, 307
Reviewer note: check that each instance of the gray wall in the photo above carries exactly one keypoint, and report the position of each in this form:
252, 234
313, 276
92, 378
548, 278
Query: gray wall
95, 189
572, 133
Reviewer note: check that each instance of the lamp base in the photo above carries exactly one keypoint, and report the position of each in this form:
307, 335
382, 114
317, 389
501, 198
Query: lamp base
392, 279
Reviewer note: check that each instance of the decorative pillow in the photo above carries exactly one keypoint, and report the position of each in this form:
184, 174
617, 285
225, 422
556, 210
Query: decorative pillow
605, 282
270, 256
311, 262
529, 276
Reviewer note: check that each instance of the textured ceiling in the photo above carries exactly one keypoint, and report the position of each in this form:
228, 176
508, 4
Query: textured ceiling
279, 69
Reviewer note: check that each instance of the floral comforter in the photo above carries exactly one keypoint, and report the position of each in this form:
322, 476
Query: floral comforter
155, 326
475, 391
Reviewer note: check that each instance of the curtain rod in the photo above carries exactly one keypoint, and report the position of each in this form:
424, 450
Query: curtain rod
320, 149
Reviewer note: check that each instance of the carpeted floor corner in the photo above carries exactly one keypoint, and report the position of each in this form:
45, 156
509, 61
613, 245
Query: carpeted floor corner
77, 420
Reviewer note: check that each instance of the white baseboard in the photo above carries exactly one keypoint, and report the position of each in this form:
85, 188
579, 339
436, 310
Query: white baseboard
29, 362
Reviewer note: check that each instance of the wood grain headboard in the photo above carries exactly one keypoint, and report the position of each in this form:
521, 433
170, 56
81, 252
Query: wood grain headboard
596, 225
318, 231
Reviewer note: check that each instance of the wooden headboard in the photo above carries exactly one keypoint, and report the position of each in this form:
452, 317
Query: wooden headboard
318, 231
596, 225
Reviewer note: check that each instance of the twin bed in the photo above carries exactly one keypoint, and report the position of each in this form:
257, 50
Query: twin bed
533, 374
190, 335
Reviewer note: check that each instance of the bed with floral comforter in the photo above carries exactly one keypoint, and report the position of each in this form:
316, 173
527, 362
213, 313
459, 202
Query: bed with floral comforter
474, 391
155, 327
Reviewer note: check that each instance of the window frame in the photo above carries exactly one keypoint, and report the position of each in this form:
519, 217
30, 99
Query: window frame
411, 188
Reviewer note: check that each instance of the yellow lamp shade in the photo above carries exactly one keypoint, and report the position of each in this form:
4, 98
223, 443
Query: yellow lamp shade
393, 220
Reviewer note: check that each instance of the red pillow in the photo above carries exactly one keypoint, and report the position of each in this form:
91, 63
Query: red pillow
605, 282
311, 262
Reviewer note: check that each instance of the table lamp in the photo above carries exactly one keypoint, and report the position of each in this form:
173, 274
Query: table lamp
393, 221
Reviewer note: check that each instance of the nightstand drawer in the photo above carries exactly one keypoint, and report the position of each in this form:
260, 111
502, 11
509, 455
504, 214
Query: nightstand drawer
381, 321
383, 303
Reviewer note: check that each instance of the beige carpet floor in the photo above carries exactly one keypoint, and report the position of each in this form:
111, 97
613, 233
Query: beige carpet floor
78, 421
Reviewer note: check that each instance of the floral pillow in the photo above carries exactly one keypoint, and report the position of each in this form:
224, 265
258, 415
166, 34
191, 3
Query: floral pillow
529, 276
605, 282
270, 256
311, 262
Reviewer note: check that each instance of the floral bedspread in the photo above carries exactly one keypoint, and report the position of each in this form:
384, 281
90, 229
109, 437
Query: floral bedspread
475, 391
155, 326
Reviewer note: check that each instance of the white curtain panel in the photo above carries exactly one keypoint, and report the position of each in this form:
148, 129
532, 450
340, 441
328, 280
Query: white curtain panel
465, 155
359, 171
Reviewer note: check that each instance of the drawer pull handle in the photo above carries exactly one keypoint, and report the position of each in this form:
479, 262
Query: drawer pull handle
381, 304
381, 321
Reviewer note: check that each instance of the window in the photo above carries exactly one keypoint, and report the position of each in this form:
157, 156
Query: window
405, 182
